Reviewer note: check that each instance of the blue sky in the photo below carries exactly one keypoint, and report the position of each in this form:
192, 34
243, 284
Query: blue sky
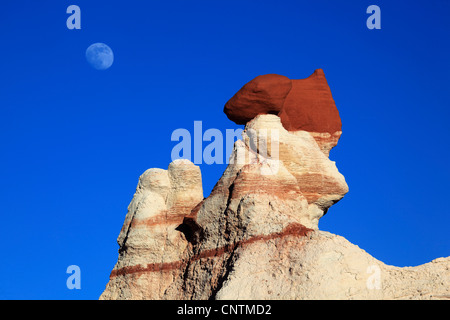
74, 140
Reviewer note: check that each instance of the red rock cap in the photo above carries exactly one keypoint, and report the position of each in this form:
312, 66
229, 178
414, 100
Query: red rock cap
304, 104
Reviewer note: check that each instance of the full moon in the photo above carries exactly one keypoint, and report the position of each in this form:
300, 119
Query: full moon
99, 56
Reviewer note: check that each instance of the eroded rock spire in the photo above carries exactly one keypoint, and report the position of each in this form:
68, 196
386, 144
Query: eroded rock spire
256, 235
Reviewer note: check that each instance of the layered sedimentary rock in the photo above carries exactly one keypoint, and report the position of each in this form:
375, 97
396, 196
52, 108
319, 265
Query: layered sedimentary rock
315, 174
149, 237
256, 235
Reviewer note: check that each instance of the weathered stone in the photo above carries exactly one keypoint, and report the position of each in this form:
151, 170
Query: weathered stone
256, 235
149, 240
304, 104
263, 95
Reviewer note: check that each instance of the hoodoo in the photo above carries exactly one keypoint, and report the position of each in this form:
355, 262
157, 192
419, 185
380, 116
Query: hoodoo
256, 236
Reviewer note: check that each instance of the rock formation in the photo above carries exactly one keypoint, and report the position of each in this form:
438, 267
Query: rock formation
304, 104
150, 237
256, 235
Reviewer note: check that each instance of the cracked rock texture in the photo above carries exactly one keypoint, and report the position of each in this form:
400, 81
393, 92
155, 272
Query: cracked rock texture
256, 235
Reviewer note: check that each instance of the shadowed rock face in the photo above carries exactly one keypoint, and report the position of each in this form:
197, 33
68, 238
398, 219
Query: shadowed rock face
256, 235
